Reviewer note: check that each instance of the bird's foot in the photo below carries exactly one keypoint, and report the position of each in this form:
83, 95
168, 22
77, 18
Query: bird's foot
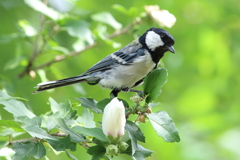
140, 93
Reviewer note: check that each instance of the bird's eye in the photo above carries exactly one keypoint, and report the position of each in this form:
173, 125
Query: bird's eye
164, 38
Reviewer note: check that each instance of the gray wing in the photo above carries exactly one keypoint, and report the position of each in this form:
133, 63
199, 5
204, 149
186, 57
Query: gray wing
124, 56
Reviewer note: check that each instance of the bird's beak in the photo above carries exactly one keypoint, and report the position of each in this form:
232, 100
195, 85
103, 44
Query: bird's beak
171, 49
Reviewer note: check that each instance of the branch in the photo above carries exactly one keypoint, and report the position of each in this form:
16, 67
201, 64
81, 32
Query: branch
59, 58
36, 50
36, 139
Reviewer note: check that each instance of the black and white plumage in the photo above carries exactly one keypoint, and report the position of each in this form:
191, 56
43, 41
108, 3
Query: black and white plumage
125, 68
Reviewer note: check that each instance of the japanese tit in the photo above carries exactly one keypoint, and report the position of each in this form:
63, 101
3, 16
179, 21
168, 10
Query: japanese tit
125, 68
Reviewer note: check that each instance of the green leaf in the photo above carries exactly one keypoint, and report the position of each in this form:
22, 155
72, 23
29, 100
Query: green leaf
6, 131
27, 28
120, 8
134, 130
25, 150
13, 106
38, 132
87, 119
107, 18
61, 144
164, 126
102, 104
11, 124
97, 152
55, 107
89, 103
135, 135
3, 144
153, 83
63, 127
80, 29
44, 9
70, 155
42, 75
4, 39
141, 153
50, 124
60, 49
94, 132
63, 110
14, 62
125, 103
29, 121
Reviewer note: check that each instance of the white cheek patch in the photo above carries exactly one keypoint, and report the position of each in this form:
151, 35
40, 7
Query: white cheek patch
153, 40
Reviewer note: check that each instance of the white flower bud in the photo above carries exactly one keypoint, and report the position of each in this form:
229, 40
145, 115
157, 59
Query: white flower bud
114, 119
162, 17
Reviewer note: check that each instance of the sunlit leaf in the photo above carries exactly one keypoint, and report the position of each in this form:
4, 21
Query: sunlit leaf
28, 149
60, 49
42, 75
89, 103
135, 135
106, 17
120, 8
80, 29
79, 45
50, 123
87, 119
38, 132
6, 131
75, 137
11, 124
153, 83
27, 28
141, 153
164, 126
41, 7
63, 110
94, 132
26, 121
13, 106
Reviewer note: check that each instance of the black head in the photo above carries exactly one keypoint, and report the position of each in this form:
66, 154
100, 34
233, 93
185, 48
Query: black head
157, 38
157, 41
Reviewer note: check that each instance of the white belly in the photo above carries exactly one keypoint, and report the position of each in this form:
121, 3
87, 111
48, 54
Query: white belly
128, 75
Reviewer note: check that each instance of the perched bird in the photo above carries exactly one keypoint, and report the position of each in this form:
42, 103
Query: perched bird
125, 68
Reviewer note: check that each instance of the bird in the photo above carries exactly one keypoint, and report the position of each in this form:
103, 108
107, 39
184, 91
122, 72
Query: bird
126, 68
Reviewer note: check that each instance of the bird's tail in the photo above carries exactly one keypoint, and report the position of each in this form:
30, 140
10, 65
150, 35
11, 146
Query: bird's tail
59, 83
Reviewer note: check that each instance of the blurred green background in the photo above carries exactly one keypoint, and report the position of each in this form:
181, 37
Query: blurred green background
203, 88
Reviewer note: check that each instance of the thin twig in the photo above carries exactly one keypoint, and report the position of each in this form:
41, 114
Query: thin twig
74, 53
59, 134
36, 139
36, 51
59, 58
23, 140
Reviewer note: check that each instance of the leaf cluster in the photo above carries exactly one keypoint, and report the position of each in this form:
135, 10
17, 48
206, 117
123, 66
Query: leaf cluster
63, 128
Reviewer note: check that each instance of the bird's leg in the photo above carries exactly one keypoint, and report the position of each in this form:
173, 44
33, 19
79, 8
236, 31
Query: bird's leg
140, 93
114, 92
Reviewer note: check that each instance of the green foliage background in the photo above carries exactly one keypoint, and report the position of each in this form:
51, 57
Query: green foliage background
202, 92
